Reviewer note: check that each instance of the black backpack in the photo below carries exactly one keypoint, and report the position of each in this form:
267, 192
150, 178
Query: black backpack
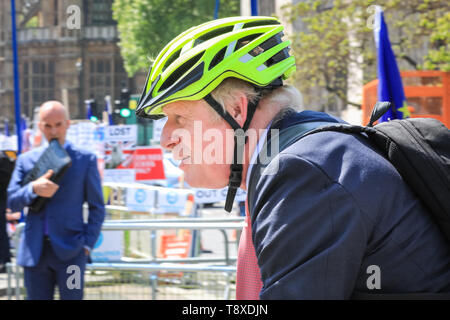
419, 148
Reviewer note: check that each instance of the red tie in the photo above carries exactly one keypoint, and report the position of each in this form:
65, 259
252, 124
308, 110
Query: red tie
248, 277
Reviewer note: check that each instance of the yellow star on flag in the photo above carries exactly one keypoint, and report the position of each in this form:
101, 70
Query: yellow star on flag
404, 110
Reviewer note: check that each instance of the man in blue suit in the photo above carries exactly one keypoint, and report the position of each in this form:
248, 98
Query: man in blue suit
57, 240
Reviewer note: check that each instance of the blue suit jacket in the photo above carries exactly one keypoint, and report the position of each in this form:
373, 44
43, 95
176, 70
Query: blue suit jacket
67, 229
335, 209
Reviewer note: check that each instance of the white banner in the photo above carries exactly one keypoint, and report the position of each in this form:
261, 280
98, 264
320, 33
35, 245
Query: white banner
83, 135
109, 246
8, 143
121, 133
216, 195
119, 175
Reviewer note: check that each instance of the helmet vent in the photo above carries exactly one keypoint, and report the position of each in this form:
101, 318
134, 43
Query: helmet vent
282, 55
217, 58
212, 34
246, 40
171, 59
259, 23
270, 43
273, 41
180, 71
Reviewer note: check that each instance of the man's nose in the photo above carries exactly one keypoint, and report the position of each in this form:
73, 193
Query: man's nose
53, 131
168, 140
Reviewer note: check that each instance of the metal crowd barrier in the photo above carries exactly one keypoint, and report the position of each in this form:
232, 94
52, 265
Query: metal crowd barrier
187, 223
152, 267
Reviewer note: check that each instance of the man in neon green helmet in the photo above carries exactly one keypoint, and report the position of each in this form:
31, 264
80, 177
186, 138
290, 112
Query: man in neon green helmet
317, 216
193, 64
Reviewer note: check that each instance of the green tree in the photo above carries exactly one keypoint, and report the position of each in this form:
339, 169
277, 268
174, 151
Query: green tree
146, 26
337, 33
438, 56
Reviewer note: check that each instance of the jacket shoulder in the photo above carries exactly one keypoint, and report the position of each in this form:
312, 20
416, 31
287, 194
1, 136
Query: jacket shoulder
32, 154
80, 152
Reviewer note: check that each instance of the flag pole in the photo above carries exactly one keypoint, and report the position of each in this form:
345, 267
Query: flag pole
254, 7
16, 78
216, 9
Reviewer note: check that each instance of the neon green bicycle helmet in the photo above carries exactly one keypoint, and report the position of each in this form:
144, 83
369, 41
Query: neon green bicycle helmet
194, 63
198, 60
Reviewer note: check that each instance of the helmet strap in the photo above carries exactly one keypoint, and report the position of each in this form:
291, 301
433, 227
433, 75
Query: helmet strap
240, 139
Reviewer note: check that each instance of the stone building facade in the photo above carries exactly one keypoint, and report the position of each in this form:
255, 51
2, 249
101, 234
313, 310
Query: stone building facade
67, 51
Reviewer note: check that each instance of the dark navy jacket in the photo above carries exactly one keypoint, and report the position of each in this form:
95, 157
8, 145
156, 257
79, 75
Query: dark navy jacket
335, 212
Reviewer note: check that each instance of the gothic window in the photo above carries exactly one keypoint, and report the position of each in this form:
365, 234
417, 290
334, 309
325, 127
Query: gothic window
38, 83
100, 75
99, 13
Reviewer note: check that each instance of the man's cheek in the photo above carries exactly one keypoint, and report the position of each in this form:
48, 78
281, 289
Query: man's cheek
183, 149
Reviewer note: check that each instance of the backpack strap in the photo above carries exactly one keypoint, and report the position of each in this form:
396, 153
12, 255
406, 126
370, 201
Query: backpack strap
285, 137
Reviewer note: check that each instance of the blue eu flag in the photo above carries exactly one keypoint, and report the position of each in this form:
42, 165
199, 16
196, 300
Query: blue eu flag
390, 86
6, 128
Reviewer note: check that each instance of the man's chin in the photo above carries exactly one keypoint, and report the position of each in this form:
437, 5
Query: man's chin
205, 184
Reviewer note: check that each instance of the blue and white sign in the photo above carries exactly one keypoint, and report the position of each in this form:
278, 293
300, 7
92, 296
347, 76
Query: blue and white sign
216, 195
109, 246
172, 200
140, 199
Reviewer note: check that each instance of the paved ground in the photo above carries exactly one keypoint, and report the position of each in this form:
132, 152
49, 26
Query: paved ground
212, 243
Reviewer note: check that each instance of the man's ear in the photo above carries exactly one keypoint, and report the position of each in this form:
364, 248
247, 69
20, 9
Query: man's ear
239, 108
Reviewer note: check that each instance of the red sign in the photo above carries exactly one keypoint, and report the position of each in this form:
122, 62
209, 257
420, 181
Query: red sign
173, 246
148, 163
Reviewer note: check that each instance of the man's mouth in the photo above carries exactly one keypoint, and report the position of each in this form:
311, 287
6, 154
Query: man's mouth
184, 160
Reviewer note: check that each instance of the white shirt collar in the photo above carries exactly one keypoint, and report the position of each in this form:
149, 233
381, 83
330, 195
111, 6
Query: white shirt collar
257, 150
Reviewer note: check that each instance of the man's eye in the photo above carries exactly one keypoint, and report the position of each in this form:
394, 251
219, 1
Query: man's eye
179, 120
